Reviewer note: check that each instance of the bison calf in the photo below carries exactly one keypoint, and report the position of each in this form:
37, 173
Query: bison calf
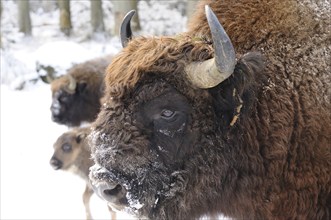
72, 153
76, 95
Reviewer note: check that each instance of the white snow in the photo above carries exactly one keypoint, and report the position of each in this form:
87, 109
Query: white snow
70, 52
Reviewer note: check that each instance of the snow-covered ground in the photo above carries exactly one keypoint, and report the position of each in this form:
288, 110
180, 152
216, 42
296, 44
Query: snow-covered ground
30, 188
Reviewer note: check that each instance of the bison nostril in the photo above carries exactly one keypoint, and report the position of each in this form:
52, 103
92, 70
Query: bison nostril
113, 192
109, 192
55, 163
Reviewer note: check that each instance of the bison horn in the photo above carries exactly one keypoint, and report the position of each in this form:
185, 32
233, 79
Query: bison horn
72, 83
125, 30
210, 73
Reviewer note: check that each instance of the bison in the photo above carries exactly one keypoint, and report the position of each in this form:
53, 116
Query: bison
76, 95
72, 153
197, 124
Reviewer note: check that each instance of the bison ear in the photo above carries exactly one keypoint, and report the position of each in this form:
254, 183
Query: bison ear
80, 137
233, 97
81, 86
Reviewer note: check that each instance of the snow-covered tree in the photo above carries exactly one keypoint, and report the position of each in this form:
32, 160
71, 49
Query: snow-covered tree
65, 17
24, 20
97, 16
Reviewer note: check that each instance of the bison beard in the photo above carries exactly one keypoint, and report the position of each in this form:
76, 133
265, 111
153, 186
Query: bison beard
255, 146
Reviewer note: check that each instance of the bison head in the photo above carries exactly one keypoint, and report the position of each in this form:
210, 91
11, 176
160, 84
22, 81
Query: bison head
67, 148
160, 143
76, 95
66, 100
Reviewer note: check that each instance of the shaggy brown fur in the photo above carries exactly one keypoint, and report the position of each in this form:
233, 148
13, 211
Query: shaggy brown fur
257, 146
72, 153
82, 105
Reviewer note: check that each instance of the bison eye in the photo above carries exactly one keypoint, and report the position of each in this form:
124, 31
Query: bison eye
167, 114
66, 148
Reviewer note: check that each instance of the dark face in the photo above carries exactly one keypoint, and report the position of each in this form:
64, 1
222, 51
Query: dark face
140, 151
70, 108
61, 105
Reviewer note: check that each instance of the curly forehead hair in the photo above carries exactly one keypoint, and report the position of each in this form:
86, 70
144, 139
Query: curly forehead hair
154, 55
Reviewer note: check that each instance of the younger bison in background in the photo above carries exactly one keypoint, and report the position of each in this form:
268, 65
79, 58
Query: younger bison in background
76, 95
72, 153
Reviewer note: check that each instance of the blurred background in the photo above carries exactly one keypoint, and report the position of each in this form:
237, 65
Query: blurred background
40, 40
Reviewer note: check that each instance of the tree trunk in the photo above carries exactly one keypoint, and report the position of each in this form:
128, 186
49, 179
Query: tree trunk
190, 8
24, 20
0, 20
65, 18
97, 16
121, 7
